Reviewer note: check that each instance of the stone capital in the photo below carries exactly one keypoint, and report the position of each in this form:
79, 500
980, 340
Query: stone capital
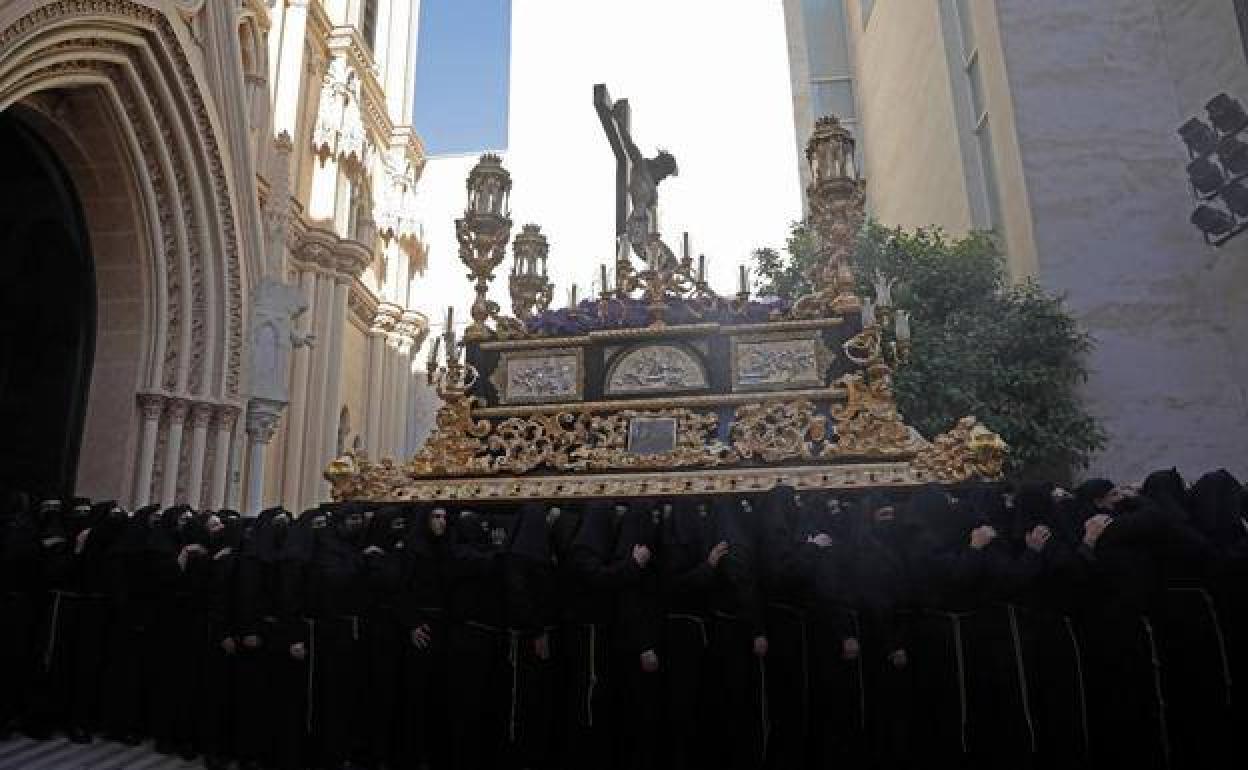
225, 416
262, 417
153, 405
178, 407
201, 414
386, 319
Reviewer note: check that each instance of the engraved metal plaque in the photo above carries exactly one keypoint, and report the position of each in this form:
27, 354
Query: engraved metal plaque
651, 435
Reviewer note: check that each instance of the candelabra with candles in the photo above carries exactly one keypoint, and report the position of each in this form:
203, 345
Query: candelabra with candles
867, 348
457, 376
531, 291
483, 233
664, 277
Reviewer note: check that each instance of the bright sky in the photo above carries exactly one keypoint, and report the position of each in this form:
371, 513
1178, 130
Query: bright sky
707, 80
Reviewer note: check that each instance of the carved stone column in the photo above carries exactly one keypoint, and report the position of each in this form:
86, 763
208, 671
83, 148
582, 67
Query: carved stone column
318, 375
173, 451
152, 405
262, 418
379, 371
292, 472
225, 419
333, 384
201, 415
288, 66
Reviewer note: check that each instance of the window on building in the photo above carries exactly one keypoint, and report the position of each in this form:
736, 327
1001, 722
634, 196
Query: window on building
968, 70
1241, 15
368, 23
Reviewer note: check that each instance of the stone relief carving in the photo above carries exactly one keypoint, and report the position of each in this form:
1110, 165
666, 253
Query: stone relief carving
274, 337
656, 369
772, 363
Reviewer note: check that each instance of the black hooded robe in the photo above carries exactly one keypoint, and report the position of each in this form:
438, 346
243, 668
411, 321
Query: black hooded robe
636, 630
686, 580
532, 614
422, 606
738, 675
476, 644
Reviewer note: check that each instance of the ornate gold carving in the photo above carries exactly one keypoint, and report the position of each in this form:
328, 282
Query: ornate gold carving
868, 423
968, 451
357, 479
456, 443
778, 431
696, 444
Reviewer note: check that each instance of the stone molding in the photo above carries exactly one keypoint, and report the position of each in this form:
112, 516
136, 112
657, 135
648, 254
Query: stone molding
262, 417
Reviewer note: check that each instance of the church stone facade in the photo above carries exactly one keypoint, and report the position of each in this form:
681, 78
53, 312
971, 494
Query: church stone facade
237, 178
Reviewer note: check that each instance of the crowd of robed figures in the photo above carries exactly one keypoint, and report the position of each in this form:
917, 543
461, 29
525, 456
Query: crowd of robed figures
984, 626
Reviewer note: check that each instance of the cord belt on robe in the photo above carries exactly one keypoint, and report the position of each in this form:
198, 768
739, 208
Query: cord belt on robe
1083, 699
513, 658
311, 655
593, 672
1021, 670
1212, 609
1161, 701
955, 620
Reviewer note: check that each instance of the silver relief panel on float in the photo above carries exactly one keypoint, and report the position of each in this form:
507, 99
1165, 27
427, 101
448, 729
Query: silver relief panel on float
656, 369
540, 376
778, 362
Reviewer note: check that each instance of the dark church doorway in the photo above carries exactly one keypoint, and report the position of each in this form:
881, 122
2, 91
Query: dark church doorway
47, 316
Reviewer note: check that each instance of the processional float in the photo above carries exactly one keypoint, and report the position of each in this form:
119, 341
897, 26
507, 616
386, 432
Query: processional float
658, 385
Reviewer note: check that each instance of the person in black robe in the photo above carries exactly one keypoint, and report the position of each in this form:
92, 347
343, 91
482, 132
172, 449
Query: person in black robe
532, 615
1197, 672
179, 545
967, 658
296, 661
265, 688
422, 618
636, 637
336, 586
51, 696
130, 671
880, 591
690, 555
1218, 511
381, 636
590, 586
211, 581
786, 574
98, 565
477, 642
738, 643
19, 600
1049, 607
1128, 544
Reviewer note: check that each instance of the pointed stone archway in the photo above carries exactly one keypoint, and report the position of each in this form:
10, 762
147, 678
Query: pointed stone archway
105, 88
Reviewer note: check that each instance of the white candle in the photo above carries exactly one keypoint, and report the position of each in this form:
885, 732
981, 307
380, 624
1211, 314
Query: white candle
602, 270
572, 297
743, 281
903, 326
686, 252
701, 268
433, 354
450, 318
868, 313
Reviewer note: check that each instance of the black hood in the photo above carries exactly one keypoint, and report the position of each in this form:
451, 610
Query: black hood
531, 540
596, 529
931, 509
268, 535
687, 526
1167, 490
564, 529
1215, 507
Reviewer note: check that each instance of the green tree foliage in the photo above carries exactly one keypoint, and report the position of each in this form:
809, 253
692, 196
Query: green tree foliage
1006, 353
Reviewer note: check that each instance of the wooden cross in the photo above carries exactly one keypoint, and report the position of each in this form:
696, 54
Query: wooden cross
616, 120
